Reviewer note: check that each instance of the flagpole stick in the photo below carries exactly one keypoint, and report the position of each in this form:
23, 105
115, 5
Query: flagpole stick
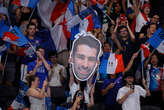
32, 46
5, 65
31, 15
142, 65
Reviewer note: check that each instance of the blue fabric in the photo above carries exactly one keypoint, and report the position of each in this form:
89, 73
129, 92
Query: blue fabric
154, 79
41, 72
156, 38
32, 3
103, 66
112, 93
48, 103
46, 40
3, 28
22, 39
31, 56
61, 108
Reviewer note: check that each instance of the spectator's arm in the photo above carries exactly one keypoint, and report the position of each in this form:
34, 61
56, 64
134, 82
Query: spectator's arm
115, 40
110, 6
44, 61
51, 73
146, 88
34, 93
91, 97
124, 5
131, 62
105, 90
132, 36
61, 72
71, 80
122, 99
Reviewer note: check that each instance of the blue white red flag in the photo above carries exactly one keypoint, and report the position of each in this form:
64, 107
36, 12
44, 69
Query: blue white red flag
145, 52
15, 36
157, 40
26, 3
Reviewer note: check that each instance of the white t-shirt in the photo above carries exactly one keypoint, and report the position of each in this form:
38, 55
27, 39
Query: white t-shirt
55, 80
76, 87
133, 100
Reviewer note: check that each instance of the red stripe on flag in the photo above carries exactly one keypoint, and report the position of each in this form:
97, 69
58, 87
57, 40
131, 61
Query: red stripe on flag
120, 64
58, 10
10, 35
17, 2
21, 51
67, 34
145, 50
90, 23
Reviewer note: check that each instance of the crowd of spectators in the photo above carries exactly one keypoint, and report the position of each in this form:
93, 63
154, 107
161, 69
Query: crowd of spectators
125, 26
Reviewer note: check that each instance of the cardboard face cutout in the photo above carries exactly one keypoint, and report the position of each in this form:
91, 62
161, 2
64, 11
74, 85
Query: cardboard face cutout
84, 55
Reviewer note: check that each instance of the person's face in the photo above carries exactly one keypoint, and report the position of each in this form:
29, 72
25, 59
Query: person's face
123, 32
84, 61
36, 82
107, 48
25, 9
152, 29
154, 60
18, 12
31, 30
35, 21
129, 80
117, 8
2, 16
41, 51
53, 59
146, 10
155, 19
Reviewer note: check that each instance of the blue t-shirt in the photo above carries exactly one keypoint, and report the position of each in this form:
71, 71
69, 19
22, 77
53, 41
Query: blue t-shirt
155, 79
30, 54
41, 72
112, 93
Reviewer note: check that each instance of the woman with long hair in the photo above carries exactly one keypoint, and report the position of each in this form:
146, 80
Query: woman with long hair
36, 95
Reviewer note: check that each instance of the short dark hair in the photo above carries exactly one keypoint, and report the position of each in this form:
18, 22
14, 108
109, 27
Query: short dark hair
31, 24
86, 40
39, 47
121, 27
54, 53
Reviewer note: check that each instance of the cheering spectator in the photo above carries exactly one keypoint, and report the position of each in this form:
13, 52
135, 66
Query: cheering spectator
57, 76
40, 66
36, 95
155, 81
129, 95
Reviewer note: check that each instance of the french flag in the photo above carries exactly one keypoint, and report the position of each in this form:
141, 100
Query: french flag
115, 64
86, 20
145, 52
26, 3
157, 40
15, 36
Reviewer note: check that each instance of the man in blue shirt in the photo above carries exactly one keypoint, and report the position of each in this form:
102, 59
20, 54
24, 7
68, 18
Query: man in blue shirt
40, 66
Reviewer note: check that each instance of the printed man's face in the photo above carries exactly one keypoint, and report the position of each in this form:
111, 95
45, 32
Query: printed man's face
84, 61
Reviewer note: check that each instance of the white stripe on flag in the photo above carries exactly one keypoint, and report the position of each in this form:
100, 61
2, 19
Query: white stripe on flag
112, 64
25, 2
160, 48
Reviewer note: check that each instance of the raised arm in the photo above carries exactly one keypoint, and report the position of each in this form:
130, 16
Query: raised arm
43, 60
